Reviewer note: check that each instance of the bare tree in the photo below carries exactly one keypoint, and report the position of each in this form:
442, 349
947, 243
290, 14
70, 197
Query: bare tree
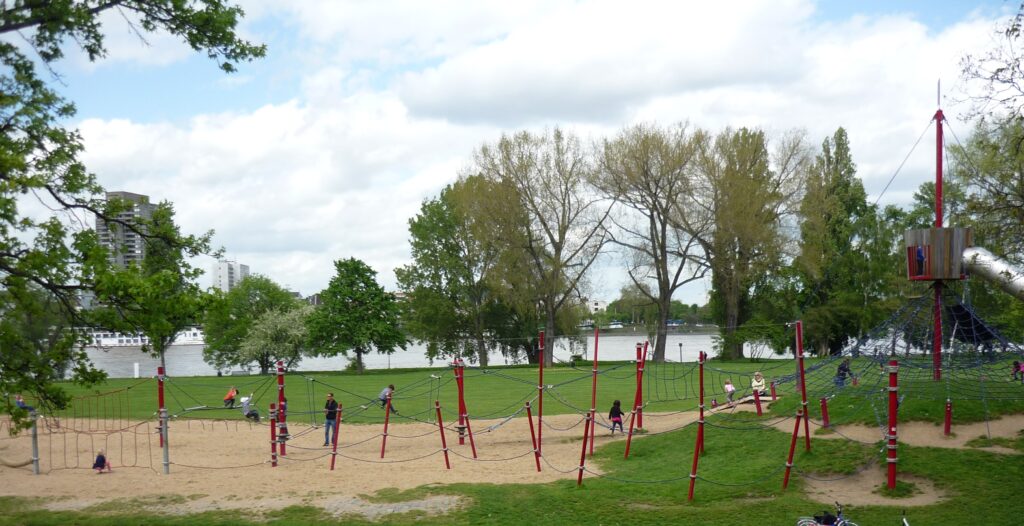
648, 171
562, 223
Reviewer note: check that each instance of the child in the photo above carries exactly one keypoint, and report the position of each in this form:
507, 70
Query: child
229, 399
615, 415
101, 463
730, 391
384, 395
757, 383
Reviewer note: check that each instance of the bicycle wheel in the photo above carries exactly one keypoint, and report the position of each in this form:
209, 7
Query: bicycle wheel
807, 522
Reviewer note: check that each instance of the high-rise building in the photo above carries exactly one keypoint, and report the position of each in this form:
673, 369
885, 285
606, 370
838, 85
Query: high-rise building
227, 274
126, 246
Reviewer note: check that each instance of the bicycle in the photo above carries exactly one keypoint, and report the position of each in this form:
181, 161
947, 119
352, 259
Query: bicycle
827, 519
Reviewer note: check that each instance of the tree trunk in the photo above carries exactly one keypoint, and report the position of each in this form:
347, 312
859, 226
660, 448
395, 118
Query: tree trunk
732, 349
549, 337
481, 351
661, 341
359, 360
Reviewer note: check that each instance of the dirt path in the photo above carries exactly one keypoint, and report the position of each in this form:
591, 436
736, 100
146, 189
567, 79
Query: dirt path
225, 465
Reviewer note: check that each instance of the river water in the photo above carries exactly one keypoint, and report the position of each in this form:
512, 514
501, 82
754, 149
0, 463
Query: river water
187, 360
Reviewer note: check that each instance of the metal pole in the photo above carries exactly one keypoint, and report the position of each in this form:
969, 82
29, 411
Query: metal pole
334, 441
640, 387
700, 423
273, 435
387, 418
540, 397
948, 421
891, 436
680, 352
35, 442
792, 448
803, 381
280, 421
462, 402
593, 397
824, 412
163, 437
160, 399
937, 304
440, 428
533, 437
583, 451
757, 401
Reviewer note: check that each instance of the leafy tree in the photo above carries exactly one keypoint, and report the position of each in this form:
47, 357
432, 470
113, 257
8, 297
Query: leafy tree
277, 335
356, 315
39, 158
232, 316
161, 297
556, 232
1000, 73
742, 197
646, 170
451, 303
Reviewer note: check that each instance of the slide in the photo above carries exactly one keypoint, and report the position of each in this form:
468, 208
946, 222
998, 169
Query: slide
985, 264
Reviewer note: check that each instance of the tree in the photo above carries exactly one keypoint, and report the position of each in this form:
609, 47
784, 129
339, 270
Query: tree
356, 315
451, 304
557, 229
1000, 74
277, 335
646, 170
39, 158
742, 196
161, 297
232, 316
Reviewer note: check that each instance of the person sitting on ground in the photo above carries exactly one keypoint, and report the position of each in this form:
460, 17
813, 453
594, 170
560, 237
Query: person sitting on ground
615, 415
385, 395
730, 391
229, 399
1017, 372
757, 383
101, 462
20, 402
250, 412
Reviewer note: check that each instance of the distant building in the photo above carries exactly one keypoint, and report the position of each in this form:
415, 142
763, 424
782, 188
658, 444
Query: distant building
597, 306
228, 274
126, 246
314, 300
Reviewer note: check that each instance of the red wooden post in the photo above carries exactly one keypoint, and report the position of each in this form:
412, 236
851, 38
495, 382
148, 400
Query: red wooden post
440, 428
593, 397
640, 387
273, 435
583, 451
701, 358
334, 441
282, 408
757, 401
533, 437
387, 419
462, 402
540, 397
803, 382
948, 422
160, 400
824, 412
774, 396
792, 448
893, 407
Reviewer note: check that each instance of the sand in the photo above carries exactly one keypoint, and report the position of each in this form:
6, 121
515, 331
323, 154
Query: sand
226, 464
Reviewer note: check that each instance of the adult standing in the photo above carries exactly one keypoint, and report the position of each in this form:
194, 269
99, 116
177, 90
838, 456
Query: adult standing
330, 417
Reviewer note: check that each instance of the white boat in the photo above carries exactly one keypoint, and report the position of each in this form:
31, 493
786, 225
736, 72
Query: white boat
106, 338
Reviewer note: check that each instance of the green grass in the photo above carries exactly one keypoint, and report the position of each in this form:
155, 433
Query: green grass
740, 474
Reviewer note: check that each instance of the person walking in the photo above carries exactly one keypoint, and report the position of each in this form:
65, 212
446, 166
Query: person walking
615, 415
330, 418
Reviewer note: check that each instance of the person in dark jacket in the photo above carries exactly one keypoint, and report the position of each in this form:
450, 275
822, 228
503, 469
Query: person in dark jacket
615, 415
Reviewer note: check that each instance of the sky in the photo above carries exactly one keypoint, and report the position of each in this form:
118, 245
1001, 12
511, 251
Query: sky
361, 110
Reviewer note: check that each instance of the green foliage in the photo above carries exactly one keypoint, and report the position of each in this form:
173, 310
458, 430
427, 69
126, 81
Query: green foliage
356, 315
38, 157
160, 298
277, 335
231, 317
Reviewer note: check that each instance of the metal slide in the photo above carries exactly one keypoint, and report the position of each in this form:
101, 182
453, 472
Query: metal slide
985, 264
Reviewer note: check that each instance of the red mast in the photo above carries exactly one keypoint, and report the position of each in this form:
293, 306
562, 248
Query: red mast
937, 304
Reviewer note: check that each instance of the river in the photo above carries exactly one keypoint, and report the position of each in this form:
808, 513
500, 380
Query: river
187, 360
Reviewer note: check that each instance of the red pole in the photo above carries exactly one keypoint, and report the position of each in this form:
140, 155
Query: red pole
583, 450
462, 402
160, 399
774, 396
273, 435
629, 437
593, 397
533, 437
540, 397
440, 428
792, 449
469, 429
824, 412
937, 304
701, 356
637, 400
334, 441
640, 387
697, 446
757, 401
893, 407
387, 418
803, 381
948, 423
282, 408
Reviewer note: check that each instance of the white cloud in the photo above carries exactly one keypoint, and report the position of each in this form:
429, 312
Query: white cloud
395, 96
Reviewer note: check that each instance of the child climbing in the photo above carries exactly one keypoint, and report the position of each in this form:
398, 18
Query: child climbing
229, 399
615, 415
730, 391
101, 463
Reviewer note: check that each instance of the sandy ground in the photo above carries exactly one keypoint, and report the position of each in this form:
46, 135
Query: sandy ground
225, 465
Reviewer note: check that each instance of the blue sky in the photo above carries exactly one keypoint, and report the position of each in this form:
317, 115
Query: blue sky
361, 110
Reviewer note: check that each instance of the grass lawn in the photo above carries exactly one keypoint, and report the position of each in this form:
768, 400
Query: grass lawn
740, 474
